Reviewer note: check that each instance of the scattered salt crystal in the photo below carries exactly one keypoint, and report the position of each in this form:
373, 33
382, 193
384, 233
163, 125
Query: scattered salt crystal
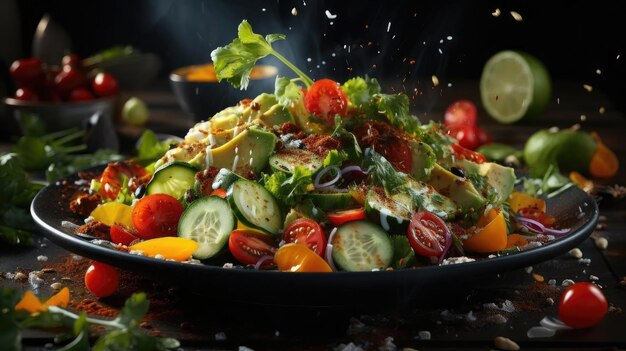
575, 252
388, 345
264, 9
76, 258
34, 280
449, 85
221, 336
470, 316
228, 265
56, 286
294, 11
567, 282
584, 261
593, 278
43, 245
496, 13
550, 301
552, 282
136, 252
441, 41
276, 333
424, 335
308, 59
449, 37
516, 16
42, 258
540, 332
441, 52
505, 344
528, 269
598, 72
388, 27
9, 275
159, 257
330, 15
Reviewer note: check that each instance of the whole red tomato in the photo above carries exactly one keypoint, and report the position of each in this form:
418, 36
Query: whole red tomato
325, 99
460, 113
582, 305
104, 84
101, 279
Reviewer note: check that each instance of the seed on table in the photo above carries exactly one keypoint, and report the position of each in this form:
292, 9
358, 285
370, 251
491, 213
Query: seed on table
601, 243
538, 277
575, 252
506, 344
56, 286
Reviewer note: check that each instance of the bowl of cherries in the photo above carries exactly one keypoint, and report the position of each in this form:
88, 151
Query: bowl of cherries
63, 96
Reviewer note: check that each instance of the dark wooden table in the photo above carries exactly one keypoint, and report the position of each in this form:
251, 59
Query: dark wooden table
457, 316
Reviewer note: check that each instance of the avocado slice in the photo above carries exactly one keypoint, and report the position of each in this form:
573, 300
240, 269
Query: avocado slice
276, 116
429, 199
250, 150
500, 178
460, 190
423, 160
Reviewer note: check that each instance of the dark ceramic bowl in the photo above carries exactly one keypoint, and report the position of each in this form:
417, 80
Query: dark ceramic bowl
202, 99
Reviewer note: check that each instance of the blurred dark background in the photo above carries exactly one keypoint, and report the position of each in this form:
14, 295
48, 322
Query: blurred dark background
394, 40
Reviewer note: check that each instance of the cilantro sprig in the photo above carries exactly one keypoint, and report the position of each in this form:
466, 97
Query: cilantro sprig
235, 61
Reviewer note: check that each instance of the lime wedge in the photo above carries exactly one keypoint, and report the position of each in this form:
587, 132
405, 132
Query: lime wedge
514, 85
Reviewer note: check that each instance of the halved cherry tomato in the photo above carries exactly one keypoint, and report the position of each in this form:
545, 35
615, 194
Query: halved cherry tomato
248, 246
491, 235
338, 218
460, 113
156, 215
299, 258
464, 153
219, 192
112, 177
537, 215
104, 85
325, 99
122, 235
428, 234
307, 232
101, 279
582, 305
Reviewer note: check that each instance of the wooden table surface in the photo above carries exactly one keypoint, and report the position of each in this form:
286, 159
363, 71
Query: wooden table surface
458, 316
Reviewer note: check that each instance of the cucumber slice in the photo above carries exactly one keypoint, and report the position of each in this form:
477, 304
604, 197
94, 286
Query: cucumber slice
392, 212
208, 221
254, 206
361, 246
286, 160
225, 178
172, 179
332, 201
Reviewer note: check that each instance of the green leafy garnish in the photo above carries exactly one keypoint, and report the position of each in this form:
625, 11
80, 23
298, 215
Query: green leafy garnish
361, 90
150, 148
289, 188
335, 158
384, 174
235, 61
287, 91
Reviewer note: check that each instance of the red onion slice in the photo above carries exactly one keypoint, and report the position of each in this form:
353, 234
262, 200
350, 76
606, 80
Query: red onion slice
262, 260
329, 251
536, 227
322, 173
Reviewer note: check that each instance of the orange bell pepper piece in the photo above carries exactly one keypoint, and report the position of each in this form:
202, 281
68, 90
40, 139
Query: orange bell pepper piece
30, 303
519, 200
299, 258
174, 248
604, 163
491, 235
515, 240
61, 299
585, 184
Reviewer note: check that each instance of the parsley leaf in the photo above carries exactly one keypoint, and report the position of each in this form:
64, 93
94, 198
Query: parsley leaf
235, 61
287, 91
361, 90
384, 173
335, 158
289, 188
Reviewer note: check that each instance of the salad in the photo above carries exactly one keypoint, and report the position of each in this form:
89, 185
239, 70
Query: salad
315, 177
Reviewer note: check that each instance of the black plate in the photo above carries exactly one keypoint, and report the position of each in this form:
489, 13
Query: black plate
572, 208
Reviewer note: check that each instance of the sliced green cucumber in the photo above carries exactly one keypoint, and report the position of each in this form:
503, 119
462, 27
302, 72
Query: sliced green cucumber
286, 160
332, 201
361, 246
225, 178
392, 212
254, 206
172, 178
208, 221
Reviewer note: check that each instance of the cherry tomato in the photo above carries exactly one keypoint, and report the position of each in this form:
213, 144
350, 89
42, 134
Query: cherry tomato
307, 232
26, 94
71, 60
299, 258
113, 175
219, 192
80, 94
483, 136
582, 305
325, 99
27, 71
68, 79
338, 218
467, 136
101, 279
248, 246
462, 153
122, 235
104, 85
460, 113
156, 215
538, 215
428, 234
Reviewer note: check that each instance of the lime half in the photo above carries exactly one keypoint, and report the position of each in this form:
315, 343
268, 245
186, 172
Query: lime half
514, 85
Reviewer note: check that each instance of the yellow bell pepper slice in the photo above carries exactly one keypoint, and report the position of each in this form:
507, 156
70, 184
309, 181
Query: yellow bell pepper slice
61, 299
113, 212
173, 248
519, 200
30, 303
299, 258
491, 235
